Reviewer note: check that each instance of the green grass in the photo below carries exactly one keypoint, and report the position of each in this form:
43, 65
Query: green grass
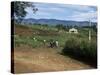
47, 33
81, 49
76, 45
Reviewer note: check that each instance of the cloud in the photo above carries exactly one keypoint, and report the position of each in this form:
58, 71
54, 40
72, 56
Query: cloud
63, 12
84, 16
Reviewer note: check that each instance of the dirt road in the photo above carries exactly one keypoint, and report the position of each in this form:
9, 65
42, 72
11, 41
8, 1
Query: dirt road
30, 60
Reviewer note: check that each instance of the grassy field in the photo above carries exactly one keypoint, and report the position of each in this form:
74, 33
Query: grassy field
71, 46
25, 35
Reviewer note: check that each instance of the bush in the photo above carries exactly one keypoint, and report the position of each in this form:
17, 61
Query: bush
81, 49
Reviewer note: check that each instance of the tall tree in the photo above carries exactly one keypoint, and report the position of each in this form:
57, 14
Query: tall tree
18, 9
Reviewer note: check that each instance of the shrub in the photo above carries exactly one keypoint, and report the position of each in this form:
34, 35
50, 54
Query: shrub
81, 49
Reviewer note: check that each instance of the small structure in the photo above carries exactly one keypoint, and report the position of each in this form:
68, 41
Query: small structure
73, 30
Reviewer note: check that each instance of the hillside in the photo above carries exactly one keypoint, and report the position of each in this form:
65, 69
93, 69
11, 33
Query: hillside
55, 22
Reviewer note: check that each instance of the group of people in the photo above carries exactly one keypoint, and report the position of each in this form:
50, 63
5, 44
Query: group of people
51, 43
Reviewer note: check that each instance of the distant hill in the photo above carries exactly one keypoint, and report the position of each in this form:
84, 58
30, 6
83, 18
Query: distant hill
55, 22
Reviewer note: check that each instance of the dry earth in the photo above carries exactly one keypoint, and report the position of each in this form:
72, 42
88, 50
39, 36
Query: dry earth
30, 60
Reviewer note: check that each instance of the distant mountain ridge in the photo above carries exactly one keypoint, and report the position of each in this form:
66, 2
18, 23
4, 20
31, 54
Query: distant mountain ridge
55, 22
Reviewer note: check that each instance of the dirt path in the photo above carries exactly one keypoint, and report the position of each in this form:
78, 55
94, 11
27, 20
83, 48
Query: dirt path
44, 60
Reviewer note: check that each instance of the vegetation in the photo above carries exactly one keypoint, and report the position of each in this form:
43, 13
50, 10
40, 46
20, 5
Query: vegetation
61, 27
75, 45
18, 9
81, 48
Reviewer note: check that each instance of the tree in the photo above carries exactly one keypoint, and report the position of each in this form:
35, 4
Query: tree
60, 27
45, 25
18, 9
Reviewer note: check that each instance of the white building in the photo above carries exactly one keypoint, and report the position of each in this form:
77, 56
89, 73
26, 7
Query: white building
73, 30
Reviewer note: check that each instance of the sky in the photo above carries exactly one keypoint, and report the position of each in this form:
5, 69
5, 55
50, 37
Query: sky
63, 12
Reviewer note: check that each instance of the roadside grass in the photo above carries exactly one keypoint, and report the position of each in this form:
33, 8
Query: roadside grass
81, 49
